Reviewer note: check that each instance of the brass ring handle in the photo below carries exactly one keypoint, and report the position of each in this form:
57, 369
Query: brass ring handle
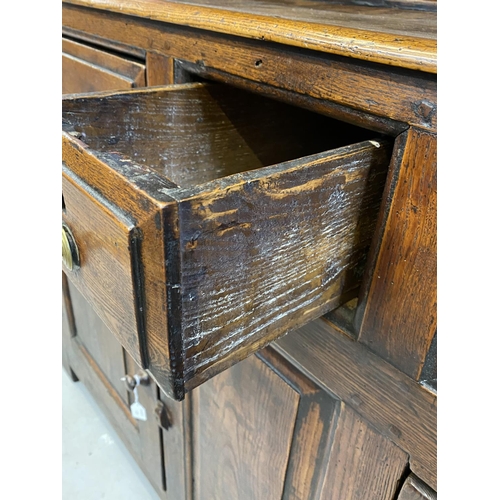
70, 254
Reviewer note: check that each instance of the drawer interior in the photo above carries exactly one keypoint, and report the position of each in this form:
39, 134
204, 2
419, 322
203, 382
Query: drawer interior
205, 132
211, 221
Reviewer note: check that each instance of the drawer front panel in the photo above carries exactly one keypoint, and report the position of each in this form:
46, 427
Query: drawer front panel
86, 69
105, 238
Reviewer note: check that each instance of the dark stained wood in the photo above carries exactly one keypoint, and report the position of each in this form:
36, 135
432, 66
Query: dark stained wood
159, 69
414, 489
124, 183
404, 96
371, 261
69, 323
404, 279
244, 425
262, 221
194, 134
314, 426
363, 464
176, 449
260, 431
186, 72
87, 69
282, 281
91, 350
333, 420
403, 38
99, 342
393, 404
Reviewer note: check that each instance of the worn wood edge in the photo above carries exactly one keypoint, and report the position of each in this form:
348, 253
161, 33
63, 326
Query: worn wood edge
372, 387
114, 175
394, 50
268, 332
385, 206
177, 41
147, 90
220, 187
103, 43
378, 124
414, 486
116, 185
69, 305
172, 252
408, 355
93, 66
115, 64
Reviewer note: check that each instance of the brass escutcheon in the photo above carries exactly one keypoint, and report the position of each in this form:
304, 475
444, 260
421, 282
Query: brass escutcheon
70, 255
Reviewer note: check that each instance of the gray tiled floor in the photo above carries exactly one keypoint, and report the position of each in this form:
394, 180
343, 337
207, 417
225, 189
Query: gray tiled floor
96, 464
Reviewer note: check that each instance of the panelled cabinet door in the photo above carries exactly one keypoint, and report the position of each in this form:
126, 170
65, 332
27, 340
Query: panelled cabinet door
262, 430
96, 358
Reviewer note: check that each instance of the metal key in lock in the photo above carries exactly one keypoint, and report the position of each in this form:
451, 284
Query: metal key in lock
136, 409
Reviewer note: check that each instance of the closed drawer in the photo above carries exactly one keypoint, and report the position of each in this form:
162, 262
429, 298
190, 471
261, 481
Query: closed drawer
87, 69
210, 221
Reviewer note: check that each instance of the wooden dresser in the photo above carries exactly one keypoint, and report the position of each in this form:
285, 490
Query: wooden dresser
249, 241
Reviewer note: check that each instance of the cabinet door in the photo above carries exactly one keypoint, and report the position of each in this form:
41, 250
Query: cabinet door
87, 69
263, 430
93, 356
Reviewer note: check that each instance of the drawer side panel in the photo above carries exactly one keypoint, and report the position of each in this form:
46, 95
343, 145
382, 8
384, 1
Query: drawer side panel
265, 255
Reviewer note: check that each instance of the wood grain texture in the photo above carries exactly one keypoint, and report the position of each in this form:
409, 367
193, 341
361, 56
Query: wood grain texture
355, 32
404, 279
414, 489
409, 97
159, 69
363, 464
123, 183
192, 135
381, 125
393, 404
287, 265
87, 69
103, 235
99, 342
314, 426
244, 426
105, 44
246, 256
270, 427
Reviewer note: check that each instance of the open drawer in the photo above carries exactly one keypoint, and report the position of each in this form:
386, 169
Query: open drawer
202, 222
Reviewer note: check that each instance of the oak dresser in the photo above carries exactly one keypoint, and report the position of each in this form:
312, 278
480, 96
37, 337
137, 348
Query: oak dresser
249, 241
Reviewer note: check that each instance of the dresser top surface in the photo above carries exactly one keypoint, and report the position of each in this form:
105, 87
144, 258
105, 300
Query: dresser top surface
397, 37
